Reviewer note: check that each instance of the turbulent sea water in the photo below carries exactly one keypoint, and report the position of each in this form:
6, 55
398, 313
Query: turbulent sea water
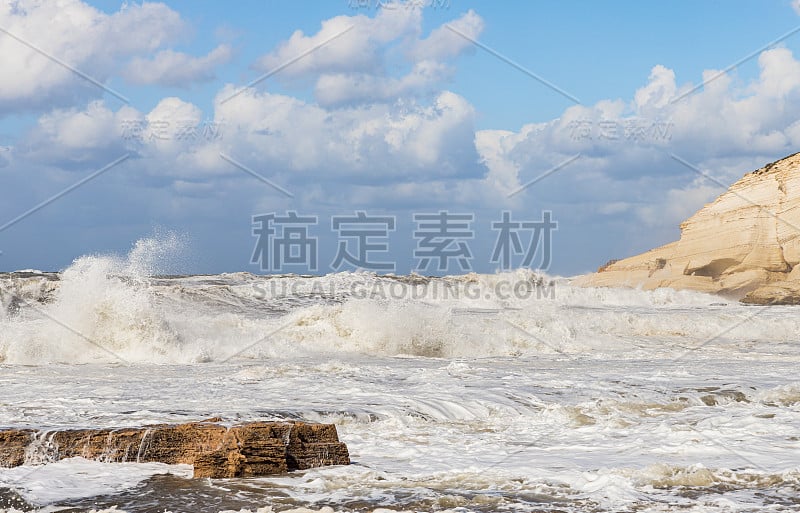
509, 392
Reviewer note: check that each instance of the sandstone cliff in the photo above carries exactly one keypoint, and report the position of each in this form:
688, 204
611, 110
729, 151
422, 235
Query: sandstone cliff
216, 451
744, 245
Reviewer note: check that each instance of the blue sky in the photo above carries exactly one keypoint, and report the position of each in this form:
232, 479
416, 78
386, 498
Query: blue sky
396, 116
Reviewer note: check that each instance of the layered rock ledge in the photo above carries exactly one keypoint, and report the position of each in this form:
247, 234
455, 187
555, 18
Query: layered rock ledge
744, 245
214, 450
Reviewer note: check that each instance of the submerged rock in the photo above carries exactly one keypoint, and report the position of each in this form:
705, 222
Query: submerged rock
216, 451
744, 245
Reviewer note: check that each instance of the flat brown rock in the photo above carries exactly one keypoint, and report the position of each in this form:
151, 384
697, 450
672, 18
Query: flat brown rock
216, 451
12, 446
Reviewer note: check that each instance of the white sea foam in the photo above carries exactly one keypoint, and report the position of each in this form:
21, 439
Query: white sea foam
107, 308
76, 478
102, 309
450, 392
429, 434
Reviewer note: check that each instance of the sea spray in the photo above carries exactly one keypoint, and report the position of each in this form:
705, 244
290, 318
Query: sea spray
116, 309
102, 310
587, 400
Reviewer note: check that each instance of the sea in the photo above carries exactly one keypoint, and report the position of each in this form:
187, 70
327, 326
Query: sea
512, 392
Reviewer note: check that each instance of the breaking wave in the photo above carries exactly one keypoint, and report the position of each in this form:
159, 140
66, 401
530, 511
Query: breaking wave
110, 308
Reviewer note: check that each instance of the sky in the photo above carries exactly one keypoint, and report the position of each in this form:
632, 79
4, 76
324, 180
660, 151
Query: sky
211, 123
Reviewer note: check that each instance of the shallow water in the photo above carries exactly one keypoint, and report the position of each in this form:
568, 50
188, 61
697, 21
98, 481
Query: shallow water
541, 433
575, 400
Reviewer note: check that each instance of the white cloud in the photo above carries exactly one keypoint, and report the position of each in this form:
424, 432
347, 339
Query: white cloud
70, 138
355, 44
659, 91
428, 151
83, 38
342, 88
90, 129
616, 207
278, 135
678, 204
780, 73
377, 59
444, 43
495, 148
381, 143
796, 6
723, 128
96, 45
371, 138
171, 68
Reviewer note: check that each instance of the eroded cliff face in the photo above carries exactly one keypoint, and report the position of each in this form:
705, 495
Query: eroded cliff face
745, 245
216, 451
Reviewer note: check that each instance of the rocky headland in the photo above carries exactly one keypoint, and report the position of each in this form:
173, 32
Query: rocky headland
744, 245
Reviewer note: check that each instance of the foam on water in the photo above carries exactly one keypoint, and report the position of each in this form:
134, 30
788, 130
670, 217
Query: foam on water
427, 434
103, 309
77, 478
451, 393
107, 308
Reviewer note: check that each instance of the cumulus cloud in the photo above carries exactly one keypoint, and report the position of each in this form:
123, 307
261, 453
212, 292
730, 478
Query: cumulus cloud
658, 92
38, 52
679, 203
177, 69
495, 148
405, 141
358, 59
429, 150
279, 135
342, 88
343, 44
384, 132
74, 138
449, 40
723, 129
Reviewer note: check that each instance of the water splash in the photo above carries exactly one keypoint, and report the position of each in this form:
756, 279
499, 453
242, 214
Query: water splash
103, 309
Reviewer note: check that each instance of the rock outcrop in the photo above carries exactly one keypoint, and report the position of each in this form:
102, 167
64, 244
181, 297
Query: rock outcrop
216, 451
744, 245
